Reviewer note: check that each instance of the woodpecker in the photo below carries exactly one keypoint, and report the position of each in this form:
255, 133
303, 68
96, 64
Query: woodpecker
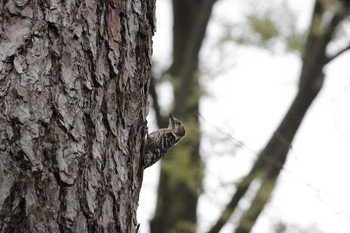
159, 142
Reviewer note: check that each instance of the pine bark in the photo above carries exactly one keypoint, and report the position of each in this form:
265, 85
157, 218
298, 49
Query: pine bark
74, 79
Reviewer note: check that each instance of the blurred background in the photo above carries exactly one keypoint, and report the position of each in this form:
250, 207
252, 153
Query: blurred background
263, 89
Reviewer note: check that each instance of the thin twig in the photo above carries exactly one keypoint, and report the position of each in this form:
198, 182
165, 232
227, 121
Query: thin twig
340, 52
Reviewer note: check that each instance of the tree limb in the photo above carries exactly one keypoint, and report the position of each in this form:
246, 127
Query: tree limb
276, 150
340, 52
153, 93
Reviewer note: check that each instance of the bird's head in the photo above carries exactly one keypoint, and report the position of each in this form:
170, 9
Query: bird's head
177, 126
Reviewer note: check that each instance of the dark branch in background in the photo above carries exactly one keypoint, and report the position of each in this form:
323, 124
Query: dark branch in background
315, 49
242, 188
340, 52
277, 151
311, 80
270, 161
337, 18
161, 122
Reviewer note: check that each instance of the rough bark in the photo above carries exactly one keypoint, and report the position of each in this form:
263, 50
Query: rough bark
74, 81
182, 171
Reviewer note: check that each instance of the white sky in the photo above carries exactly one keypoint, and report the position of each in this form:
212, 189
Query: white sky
247, 101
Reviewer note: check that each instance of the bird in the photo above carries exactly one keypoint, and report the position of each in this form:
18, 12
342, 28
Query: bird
159, 142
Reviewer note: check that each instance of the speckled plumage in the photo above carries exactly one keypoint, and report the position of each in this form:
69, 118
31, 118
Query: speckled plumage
159, 142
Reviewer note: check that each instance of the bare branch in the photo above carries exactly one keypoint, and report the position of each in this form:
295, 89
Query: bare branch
232, 205
152, 91
340, 52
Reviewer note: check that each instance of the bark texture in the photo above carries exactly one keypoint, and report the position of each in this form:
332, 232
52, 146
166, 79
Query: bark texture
74, 81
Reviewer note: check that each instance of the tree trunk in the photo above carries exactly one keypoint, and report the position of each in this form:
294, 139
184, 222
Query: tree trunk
74, 79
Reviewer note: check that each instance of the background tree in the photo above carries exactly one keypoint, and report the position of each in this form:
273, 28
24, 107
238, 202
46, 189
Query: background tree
182, 171
73, 104
176, 208
273, 157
